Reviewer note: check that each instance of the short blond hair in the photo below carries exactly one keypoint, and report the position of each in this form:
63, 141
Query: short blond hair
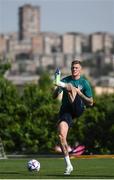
75, 62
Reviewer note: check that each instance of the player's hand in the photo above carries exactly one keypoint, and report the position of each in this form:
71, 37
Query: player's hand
69, 87
78, 91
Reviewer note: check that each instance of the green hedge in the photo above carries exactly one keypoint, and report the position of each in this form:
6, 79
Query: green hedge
28, 121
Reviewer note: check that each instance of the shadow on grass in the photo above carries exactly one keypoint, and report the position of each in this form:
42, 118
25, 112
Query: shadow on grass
14, 173
59, 176
72, 176
9, 172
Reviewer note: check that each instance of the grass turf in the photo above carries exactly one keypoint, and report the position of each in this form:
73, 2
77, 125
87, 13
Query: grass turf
53, 168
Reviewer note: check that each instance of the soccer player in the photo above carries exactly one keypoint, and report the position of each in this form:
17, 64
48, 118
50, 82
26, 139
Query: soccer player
77, 94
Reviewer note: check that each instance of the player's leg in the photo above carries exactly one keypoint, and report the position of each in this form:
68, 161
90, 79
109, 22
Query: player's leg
63, 131
76, 101
72, 93
70, 88
78, 106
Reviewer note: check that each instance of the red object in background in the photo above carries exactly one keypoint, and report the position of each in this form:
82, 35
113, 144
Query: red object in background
78, 150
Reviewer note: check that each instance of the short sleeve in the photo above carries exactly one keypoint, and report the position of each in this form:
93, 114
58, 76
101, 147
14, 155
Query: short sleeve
87, 89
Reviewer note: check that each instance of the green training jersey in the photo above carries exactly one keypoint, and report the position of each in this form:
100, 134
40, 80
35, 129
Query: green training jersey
80, 83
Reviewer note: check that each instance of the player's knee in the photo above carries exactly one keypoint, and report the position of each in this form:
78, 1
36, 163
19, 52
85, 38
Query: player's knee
61, 138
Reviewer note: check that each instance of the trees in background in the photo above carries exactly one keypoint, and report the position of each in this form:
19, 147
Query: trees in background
28, 120
95, 129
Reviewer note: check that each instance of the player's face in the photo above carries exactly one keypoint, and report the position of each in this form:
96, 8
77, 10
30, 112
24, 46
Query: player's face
76, 70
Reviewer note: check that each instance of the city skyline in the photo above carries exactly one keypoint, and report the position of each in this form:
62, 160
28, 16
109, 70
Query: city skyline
62, 16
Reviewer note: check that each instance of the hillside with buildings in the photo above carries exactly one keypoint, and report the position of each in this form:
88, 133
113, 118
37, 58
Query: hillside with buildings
31, 51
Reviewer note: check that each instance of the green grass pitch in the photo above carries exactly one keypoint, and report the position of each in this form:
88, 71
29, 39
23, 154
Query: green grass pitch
53, 168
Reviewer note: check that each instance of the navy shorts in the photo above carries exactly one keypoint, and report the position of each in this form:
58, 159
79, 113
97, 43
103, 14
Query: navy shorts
69, 112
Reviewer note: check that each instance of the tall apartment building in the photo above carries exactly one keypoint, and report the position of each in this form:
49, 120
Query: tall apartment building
108, 42
38, 44
72, 43
3, 45
29, 21
96, 41
101, 41
46, 43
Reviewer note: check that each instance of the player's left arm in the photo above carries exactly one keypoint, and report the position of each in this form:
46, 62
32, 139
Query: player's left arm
87, 100
86, 96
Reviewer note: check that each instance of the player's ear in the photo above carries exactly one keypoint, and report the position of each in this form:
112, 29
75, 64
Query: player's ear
80, 67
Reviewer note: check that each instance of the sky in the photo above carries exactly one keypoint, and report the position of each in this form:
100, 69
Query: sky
61, 16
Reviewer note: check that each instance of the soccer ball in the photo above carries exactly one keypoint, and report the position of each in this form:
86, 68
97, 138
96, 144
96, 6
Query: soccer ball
33, 165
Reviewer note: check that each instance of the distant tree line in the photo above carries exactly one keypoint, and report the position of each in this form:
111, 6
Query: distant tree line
28, 120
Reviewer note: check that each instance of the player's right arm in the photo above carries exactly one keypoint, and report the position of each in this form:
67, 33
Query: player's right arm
56, 92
